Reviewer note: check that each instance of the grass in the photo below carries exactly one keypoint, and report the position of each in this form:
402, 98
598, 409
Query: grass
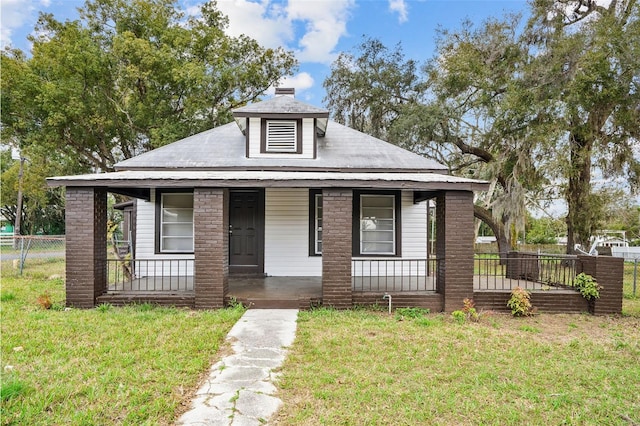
131, 365
367, 367
631, 302
140, 364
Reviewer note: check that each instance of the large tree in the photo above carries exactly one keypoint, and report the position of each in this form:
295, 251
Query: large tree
129, 76
463, 111
527, 107
585, 55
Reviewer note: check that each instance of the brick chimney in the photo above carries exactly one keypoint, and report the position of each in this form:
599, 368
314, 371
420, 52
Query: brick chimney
286, 91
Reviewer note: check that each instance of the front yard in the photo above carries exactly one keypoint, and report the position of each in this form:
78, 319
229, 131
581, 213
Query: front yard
134, 365
140, 365
364, 367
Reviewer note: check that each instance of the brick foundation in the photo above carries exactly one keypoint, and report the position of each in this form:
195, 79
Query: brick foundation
544, 301
454, 247
211, 246
337, 206
433, 302
86, 245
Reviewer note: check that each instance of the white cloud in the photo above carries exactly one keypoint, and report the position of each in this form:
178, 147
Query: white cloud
300, 82
13, 14
325, 22
273, 23
400, 7
262, 21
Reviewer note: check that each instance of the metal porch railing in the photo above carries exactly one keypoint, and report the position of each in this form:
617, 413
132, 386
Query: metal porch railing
393, 275
150, 275
531, 271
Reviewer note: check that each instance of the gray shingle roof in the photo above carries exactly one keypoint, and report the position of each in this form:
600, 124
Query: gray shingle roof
224, 147
280, 105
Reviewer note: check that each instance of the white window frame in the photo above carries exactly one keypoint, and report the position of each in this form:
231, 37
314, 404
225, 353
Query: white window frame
162, 224
364, 225
282, 128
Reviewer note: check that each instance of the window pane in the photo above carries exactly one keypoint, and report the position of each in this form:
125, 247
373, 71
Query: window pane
377, 224
377, 236
318, 224
377, 201
177, 244
177, 215
178, 200
176, 222
377, 248
177, 230
377, 213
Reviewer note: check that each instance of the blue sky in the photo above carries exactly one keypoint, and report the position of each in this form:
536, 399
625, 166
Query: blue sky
316, 30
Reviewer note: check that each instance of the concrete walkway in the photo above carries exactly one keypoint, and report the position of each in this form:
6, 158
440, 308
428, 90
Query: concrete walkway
239, 390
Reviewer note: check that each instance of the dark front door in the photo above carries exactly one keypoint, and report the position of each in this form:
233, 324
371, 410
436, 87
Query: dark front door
246, 232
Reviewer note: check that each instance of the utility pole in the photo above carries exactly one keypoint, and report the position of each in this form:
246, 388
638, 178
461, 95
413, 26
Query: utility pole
18, 221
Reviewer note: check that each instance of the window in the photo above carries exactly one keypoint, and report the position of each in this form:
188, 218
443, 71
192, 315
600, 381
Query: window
281, 136
176, 222
315, 222
376, 223
318, 224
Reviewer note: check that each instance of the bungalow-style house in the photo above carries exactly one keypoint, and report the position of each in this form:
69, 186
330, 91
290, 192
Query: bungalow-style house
282, 207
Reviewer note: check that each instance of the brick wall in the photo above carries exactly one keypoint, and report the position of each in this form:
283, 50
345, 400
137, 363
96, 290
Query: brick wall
211, 246
433, 302
454, 247
609, 273
545, 302
86, 245
337, 206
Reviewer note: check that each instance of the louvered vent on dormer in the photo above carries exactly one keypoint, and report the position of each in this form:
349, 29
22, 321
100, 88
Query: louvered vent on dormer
281, 136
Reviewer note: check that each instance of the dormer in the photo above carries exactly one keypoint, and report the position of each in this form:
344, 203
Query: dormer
281, 127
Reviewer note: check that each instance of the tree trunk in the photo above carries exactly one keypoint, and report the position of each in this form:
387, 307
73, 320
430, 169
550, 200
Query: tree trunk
497, 228
579, 218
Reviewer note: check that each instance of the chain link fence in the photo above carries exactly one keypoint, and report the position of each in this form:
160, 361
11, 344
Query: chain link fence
19, 248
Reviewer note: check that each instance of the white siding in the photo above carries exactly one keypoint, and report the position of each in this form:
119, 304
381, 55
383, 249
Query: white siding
308, 131
287, 234
286, 251
145, 240
414, 227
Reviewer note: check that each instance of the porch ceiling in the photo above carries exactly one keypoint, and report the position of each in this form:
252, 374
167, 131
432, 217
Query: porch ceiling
284, 179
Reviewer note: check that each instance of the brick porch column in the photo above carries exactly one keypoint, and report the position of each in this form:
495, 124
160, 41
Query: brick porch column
211, 246
337, 207
609, 273
86, 245
454, 247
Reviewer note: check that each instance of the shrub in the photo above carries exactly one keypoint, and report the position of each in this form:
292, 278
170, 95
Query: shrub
459, 316
520, 303
587, 286
469, 309
44, 300
104, 307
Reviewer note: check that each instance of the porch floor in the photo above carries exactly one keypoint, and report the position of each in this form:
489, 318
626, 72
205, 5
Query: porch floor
302, 292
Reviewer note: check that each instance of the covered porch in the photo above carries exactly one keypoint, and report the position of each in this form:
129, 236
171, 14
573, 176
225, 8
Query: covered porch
407, 282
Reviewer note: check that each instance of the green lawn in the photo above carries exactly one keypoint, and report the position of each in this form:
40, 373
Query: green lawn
140, 365
365, 367
134, 365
